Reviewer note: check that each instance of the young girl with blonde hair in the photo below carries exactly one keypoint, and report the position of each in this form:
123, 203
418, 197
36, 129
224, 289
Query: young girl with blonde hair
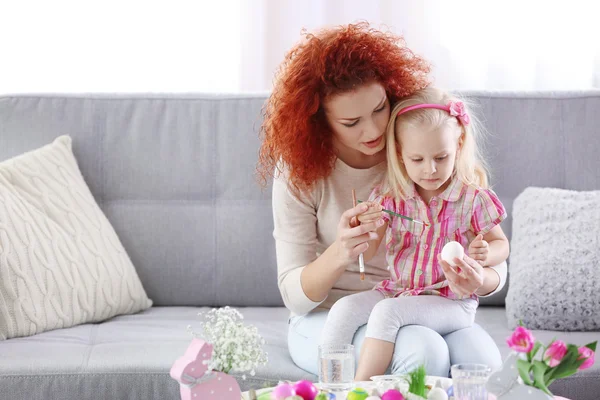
437, 177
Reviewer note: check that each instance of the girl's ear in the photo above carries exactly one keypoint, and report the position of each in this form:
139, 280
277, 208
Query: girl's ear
461, 139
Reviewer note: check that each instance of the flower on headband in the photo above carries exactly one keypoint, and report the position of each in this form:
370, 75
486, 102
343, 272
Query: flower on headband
457, 109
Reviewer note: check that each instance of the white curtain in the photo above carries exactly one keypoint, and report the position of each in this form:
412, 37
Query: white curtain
236, 45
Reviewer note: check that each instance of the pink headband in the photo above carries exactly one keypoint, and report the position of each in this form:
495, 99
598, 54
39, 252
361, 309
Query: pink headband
454, 108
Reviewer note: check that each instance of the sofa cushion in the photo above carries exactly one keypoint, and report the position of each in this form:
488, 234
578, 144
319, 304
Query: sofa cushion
129, 357
61, 263
555, 260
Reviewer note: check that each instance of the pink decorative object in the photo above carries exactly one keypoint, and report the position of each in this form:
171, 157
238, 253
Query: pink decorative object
521, 340
392, 394
457, 109
282, 391
306, 389
195, 382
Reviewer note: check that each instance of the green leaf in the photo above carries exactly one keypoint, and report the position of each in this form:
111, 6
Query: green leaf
548, 376
535, 349
539, 369
524, 368
592, 346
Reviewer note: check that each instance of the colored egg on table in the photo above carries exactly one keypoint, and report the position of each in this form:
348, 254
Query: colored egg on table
357, 394
306, 389
282, 391
392, 394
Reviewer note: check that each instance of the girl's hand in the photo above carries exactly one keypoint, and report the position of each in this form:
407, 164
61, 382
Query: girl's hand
352, 239
373, 213
465, 278
479, 249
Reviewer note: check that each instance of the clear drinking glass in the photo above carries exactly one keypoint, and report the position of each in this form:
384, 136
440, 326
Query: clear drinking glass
468, 381
336, 366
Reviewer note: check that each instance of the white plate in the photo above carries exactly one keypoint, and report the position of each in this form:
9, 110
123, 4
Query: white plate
387, 378
401, 379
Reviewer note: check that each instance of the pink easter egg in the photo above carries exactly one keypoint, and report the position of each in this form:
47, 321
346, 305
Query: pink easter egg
282, 391
392, 394
306, 389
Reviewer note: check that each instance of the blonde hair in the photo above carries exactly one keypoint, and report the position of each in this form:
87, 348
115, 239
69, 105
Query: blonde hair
470, 166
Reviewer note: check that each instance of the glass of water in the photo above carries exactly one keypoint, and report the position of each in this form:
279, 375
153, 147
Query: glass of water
336, 366
468, 381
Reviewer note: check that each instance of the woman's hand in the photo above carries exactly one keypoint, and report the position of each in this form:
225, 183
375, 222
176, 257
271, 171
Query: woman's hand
465, 278
352, 239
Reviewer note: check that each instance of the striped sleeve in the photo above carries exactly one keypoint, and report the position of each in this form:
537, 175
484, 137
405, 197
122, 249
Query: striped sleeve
488, 211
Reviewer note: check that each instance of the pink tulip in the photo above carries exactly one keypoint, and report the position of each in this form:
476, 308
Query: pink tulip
555, 353
521, 340
588, 354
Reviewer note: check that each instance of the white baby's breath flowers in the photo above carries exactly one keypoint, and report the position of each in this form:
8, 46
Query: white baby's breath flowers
236, 347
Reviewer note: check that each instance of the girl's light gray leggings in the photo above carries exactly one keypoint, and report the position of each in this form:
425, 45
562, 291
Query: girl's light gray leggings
385, 316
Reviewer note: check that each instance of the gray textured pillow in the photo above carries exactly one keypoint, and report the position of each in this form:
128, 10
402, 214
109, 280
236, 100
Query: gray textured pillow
554, 268
61, 262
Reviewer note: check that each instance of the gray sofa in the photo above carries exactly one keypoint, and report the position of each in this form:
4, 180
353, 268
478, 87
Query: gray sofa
174, 175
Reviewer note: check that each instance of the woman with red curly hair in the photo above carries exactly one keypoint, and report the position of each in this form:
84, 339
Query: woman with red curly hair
324, 135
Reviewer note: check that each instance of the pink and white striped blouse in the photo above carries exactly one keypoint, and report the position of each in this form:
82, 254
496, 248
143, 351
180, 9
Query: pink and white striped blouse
459, 213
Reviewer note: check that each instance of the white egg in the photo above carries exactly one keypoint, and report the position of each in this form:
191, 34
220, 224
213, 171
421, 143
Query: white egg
373, 398
437, 393
452, 250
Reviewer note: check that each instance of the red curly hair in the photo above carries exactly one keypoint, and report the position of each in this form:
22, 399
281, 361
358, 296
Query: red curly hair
295, 130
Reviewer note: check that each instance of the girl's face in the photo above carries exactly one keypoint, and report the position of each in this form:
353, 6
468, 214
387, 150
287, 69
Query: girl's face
358, 120
429, 154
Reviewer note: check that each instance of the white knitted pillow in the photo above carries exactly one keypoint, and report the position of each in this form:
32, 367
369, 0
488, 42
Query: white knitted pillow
555, 260
61, 262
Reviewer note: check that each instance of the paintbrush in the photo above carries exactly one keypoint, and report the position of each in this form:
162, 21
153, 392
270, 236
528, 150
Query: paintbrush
416, 221
361, 258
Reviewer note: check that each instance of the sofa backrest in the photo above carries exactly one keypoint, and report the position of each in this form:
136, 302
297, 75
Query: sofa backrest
175, 176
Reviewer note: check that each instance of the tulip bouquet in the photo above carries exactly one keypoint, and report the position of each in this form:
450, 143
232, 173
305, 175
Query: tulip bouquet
556, 361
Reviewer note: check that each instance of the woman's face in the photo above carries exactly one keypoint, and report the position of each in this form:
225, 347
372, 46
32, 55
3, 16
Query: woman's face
358, 119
